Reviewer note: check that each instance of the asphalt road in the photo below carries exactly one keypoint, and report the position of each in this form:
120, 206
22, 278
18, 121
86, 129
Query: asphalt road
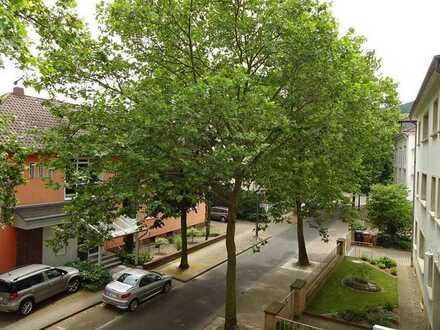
192, 305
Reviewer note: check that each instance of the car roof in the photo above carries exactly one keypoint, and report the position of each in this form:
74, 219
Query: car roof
18, 273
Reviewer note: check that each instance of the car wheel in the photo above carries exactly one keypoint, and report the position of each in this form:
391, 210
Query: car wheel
223, 219
134, 304
166, 288
73, 285
26, 307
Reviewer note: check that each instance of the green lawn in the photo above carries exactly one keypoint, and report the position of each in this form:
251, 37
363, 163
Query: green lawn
334, 297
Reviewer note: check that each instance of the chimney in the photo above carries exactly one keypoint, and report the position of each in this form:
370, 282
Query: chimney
18, 91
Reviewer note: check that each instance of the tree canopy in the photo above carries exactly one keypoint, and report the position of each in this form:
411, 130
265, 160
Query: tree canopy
180, 96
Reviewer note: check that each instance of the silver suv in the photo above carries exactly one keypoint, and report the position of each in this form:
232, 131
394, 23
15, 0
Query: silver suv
23, 287
133, 286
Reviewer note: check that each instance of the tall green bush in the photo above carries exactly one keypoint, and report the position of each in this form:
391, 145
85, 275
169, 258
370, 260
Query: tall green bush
94, 277
390, 211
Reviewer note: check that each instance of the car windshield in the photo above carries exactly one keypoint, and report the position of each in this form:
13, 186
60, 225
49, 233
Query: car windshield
129, 279
5, 286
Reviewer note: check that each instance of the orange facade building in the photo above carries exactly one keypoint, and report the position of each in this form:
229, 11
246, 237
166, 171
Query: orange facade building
41, 208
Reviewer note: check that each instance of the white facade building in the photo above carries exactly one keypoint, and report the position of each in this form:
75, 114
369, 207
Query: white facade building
404, 158
426, 248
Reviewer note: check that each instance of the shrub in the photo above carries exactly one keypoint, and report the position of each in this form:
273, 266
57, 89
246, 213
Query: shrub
365, 258
388, 307
352, 315
177, 240
404, 244
159, 241
130, 258
373, 261
94, 277
381, 265
387, 261
393, 271
213, 232
373, 315
194, 232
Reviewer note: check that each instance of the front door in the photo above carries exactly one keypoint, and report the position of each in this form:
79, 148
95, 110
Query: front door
29, 246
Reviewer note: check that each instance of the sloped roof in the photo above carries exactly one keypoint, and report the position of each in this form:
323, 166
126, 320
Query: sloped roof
433, 69
29, 113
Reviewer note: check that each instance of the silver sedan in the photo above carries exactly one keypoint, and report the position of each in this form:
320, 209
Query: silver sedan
133, 286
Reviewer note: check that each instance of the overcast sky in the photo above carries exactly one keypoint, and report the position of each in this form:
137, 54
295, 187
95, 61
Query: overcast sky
404, 34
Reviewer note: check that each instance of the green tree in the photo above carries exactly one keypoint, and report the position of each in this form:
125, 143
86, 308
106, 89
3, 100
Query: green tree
12, 165
329, 110
213, 89
389, 210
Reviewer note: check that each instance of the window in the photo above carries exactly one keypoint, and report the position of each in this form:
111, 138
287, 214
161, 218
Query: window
438, 199
5, 287
29, 282
417, 183
77, 166
423, 188
433, 194
32, 170
50, 172
53, 273
41, 171
421, 246
435, 117
425, 124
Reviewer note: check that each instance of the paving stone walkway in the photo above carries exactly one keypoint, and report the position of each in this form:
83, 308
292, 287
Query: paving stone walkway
411, 314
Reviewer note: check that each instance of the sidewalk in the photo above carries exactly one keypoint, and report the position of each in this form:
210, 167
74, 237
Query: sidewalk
411, 314
53, 310
210, 257
64, 306
274, 285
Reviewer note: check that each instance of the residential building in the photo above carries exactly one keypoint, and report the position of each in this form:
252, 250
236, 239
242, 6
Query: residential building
404, 157
39, 207
426, 233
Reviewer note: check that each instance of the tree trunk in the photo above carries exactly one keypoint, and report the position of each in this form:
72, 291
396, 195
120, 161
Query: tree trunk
183, 230
231, 294
303, 259
208, 220
359, 201
353, 200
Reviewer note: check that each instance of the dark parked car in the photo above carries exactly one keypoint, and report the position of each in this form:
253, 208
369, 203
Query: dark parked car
133, 286
23, 287
219, 213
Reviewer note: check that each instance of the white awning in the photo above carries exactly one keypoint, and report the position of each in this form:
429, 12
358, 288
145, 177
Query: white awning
124, 226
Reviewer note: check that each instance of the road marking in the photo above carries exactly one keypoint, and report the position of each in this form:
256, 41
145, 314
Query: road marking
105, 325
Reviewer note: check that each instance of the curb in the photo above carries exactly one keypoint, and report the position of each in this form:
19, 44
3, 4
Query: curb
223, 261
70, 315
205, 271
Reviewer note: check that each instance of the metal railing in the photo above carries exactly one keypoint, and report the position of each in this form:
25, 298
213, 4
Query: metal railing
285, 324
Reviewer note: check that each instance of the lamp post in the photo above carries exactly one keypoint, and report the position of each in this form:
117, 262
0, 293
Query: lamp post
414, 123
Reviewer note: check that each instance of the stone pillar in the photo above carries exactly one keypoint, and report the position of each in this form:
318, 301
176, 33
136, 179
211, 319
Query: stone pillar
341, 246
298, 295
270, 315
436, 296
